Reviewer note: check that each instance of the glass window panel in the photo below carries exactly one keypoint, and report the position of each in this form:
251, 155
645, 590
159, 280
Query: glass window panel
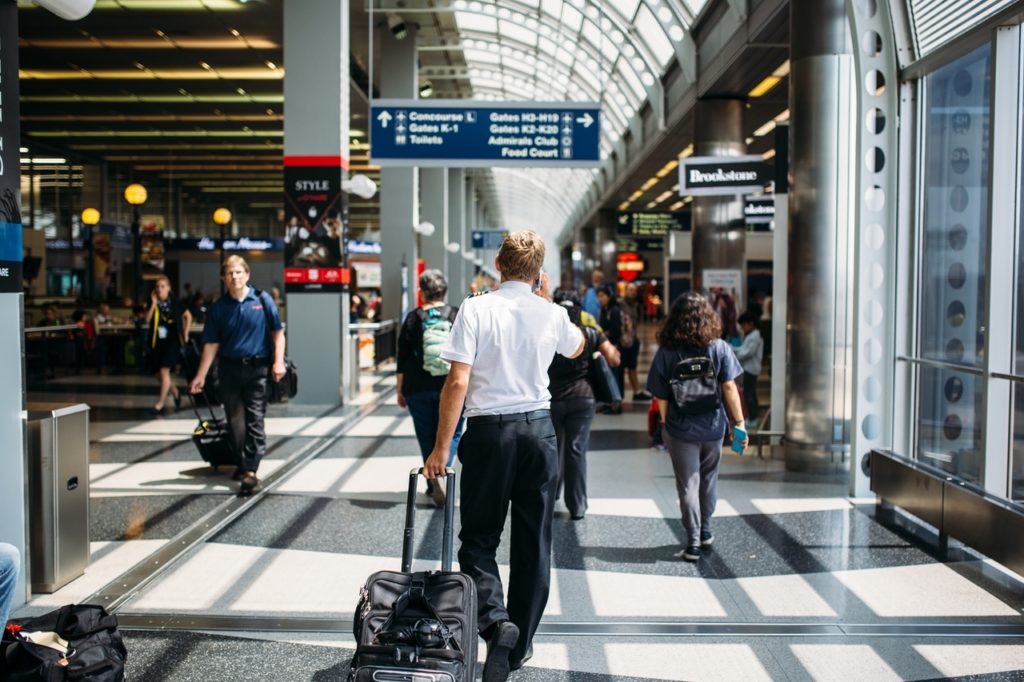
654, 34
530, 3
572, 18
547, 46
696, 5
610, 50
956, 187
552, 8
565, 56
949, 426
468, 21
627, 8
516, 32
593, 34
485, 56
634, 89
588, 76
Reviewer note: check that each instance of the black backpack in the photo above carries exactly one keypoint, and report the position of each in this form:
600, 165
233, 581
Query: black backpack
95, 650
694, 382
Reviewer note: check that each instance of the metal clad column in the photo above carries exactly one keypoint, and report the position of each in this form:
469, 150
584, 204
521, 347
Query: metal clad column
458, 286
398, 195
719, 237
819, 322
434, 210
316, 92
12, 321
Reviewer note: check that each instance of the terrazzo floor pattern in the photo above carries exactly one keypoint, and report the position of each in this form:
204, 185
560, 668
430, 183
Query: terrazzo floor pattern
790, 551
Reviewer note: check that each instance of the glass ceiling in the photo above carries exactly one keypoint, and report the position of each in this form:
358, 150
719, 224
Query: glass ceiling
613, 52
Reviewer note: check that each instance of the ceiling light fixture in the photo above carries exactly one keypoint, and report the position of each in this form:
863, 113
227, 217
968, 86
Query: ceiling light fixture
397, 25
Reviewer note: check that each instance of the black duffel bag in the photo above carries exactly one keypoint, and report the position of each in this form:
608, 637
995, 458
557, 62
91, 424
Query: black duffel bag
287, 387
94, 648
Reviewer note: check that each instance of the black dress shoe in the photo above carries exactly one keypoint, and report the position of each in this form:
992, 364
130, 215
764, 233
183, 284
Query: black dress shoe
249, 482
516, 665
238, 473
496, 666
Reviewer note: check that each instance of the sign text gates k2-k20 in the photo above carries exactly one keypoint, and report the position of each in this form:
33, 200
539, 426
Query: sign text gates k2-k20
468, 133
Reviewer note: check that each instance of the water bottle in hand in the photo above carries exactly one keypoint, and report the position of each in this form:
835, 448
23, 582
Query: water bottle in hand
739, 434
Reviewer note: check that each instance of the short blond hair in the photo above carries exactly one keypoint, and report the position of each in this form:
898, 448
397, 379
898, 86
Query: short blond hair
521, 255
231, 261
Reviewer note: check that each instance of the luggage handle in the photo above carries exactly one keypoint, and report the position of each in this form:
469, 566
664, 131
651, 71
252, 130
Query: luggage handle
447, 542
192, 402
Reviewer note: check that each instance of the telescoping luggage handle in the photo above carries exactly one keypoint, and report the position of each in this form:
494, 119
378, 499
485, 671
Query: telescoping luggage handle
410, 519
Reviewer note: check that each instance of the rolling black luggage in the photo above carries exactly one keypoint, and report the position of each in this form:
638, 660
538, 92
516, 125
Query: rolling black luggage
417, 626
212, 436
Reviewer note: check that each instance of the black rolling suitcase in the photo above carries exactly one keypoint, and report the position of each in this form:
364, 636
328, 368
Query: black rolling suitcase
212, 436
417, 627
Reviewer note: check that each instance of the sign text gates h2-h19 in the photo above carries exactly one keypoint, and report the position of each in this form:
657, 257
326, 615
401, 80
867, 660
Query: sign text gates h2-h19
468, 133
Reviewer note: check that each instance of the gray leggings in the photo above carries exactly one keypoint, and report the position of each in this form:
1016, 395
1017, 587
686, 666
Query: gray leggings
696, 469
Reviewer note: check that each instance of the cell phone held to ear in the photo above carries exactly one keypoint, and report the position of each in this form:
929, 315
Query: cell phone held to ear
539, 282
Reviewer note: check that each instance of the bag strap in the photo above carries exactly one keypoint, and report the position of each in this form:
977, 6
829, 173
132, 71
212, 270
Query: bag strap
416, 596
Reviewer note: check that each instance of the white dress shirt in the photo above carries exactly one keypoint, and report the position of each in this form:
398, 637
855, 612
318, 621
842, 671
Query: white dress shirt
509, 336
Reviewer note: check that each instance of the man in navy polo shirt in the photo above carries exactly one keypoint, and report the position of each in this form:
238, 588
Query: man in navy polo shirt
236, 332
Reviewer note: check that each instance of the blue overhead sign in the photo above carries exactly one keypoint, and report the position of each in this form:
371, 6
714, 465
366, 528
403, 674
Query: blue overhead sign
468, 133
488, 239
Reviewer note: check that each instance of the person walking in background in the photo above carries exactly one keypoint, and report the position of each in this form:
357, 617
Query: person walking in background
693, 430
591, 304
422, 372
500, 349
168, 322
749, 354
629, 338
611, 324
244, 331
572, 406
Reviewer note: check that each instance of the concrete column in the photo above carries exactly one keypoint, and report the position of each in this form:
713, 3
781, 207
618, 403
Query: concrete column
819, 310
434, 209
719, 237
316, 88
456, 271
12, 321
398, 195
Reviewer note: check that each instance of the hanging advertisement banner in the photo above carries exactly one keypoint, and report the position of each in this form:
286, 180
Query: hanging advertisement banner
312, 213
152, 255
11, 253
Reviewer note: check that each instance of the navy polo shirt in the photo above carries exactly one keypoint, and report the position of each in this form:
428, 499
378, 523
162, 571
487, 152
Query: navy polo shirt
240, 327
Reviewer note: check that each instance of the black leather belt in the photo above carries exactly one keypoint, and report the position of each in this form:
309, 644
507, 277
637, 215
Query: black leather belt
255, 360
507, 418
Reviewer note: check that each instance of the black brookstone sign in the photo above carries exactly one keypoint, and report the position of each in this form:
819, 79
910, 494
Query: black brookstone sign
722, 175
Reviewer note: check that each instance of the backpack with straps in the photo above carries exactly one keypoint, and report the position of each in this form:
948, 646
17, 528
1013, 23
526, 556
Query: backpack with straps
436, 330
695, 387
75, 642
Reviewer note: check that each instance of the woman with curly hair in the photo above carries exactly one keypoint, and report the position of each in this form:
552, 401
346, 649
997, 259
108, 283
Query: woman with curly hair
693, 431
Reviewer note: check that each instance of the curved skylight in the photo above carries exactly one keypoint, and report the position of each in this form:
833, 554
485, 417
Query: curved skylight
613, 52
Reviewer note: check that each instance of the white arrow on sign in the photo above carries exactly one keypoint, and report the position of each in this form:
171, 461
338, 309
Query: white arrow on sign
384, 117
586, 120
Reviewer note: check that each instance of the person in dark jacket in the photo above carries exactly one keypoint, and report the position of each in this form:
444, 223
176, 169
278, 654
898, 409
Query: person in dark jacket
168, 321
611, 324
419, 388
572, 405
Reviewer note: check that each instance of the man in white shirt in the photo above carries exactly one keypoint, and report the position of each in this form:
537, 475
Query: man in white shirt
750, 354
500, 348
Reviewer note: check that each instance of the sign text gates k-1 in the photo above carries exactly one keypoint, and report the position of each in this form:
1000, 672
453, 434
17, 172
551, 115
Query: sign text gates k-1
468, 133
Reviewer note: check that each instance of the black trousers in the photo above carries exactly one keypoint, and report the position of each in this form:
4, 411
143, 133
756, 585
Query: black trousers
509, 464
244, 391
572, 419
750, 396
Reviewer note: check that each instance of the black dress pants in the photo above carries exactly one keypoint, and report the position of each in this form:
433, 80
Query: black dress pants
243, 387
572, 419
509, 464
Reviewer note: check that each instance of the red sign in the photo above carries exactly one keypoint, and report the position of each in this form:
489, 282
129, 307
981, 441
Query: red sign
630, 265
326, 276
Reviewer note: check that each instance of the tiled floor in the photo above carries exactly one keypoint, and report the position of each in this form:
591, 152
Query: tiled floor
803, 582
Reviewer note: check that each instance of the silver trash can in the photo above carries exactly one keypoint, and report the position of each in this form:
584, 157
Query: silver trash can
58, 452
